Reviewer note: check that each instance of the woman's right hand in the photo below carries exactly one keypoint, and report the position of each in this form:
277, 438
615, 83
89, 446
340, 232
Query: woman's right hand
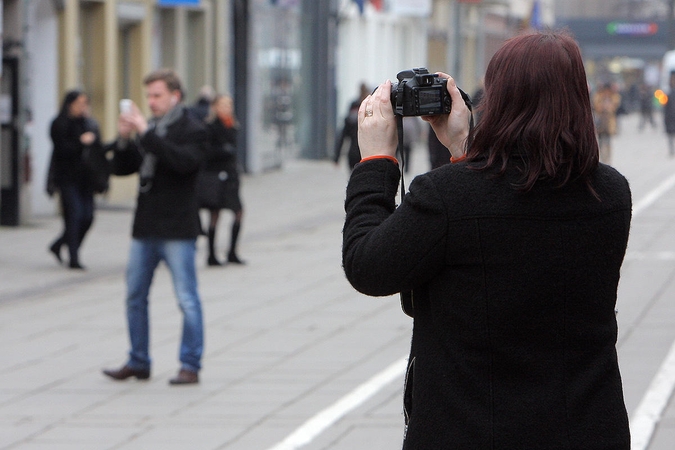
452, 129
377, 124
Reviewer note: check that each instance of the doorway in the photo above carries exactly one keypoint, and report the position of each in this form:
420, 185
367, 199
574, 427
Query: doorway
9, 142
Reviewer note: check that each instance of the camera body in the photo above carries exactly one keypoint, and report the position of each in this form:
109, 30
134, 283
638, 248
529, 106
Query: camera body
420, 93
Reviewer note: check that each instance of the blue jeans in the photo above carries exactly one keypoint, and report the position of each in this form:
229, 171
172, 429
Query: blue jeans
179, 256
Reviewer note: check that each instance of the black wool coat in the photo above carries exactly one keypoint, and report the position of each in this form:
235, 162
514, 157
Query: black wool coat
222, 155
167, 205
514, 293
67, 165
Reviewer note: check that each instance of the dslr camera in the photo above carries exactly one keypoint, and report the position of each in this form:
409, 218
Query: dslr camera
420, 93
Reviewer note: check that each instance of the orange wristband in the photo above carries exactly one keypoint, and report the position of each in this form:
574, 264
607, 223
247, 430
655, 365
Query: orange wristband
454, 160
390, 158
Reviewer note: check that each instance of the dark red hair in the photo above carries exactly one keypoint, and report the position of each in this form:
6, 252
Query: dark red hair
537, 106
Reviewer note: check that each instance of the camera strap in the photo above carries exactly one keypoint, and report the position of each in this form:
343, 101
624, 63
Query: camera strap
401, 153
406, 297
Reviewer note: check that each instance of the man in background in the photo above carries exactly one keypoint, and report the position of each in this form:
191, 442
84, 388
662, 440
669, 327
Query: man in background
166, 151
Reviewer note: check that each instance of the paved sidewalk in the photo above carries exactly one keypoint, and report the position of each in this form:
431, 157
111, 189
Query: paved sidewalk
646, 296
286, 336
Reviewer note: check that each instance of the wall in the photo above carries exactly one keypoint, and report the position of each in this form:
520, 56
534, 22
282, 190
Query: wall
373, 48
42, 96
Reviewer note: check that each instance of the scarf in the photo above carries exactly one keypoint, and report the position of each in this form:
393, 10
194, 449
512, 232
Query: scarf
159, 126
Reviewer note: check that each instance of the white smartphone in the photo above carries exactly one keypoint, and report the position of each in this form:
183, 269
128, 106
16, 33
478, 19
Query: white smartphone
125, 106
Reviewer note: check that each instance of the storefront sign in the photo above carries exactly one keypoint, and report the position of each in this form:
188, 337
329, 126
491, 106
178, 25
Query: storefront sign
632, 28
178, 2
286, 3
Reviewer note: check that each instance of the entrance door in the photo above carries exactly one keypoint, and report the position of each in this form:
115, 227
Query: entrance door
9, 142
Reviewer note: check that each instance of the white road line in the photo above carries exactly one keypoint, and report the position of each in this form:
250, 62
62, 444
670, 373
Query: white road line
324, 419
648, 413
650, 409
649, 256
649, 199
643, 422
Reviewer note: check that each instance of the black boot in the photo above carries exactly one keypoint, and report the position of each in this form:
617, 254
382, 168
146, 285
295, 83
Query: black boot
74, 258
55, 249
75, 264
212, 261
232, 254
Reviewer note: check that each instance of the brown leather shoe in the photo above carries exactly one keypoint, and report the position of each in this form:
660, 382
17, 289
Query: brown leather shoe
185, 377
127, 372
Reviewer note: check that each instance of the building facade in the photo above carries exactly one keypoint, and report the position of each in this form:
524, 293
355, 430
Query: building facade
465, 34
375, 44
104, 48
293, 67
622, 41
454, 36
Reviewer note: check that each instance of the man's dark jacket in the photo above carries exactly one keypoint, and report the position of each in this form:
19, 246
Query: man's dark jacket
514, 335
167, 204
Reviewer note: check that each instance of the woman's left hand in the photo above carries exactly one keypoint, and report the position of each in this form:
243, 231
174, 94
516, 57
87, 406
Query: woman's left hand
134, 120
377, 124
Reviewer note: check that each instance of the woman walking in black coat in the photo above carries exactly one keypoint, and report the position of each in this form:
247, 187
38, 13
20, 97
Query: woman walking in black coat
508, 259
218, 185
73, 133
669, 115
350, 130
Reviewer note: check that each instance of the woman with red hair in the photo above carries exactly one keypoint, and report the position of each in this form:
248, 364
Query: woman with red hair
509, 259
218, 183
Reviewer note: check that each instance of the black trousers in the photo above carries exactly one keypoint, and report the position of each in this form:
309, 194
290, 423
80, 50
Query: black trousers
78, 215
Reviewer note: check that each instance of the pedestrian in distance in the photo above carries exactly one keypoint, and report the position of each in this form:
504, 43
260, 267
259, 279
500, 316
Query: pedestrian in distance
669, 115
606, 103
202, 106
166, 152
438, 153
349, 131
412, 134
476, 99
74, 133
218, 183
508, 259
646, 96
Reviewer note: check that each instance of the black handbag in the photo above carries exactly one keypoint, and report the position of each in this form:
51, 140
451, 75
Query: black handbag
51, 177
95, 160
209, 190
97, 166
